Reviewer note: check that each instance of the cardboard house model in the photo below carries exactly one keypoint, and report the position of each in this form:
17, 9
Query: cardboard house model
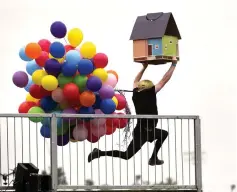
155, 38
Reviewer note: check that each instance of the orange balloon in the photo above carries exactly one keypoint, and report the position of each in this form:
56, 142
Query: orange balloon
113, 72
33, 50
87, 98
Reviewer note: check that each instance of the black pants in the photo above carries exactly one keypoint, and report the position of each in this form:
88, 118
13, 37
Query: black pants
140, 137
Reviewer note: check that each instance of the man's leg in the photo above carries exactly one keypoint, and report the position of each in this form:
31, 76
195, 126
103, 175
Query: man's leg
134, 146
160, 136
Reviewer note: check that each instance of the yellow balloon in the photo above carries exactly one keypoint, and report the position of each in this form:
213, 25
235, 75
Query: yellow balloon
101, 73
38, 75
115, 100
49, 82
61, 60
75, 37
30, 98
88, 50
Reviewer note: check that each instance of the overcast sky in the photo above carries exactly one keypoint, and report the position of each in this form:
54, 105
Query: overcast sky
204, 82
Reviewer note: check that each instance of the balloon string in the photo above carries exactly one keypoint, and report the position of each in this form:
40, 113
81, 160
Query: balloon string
65, 40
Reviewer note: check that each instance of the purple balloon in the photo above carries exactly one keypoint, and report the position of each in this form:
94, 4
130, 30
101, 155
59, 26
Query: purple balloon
58, 29
70, 111
53, 67
106, 92
63, 140
20, 79
94, 84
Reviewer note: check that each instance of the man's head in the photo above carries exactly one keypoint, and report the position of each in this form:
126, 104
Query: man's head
144, 84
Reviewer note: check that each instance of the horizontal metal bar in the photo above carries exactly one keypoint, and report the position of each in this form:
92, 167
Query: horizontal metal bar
129, 190
101, 116
179, 187
128, 116
25, 115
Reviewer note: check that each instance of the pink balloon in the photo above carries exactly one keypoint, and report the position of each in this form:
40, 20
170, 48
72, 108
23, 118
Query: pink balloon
98, 121
111, 80
57, 95
80, 132
98, 131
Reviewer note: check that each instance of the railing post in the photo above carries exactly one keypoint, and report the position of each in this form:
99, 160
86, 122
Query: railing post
198, 154
54, 155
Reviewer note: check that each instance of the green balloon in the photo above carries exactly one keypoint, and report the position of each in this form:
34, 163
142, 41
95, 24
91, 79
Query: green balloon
63, 80
61, 130
34, 110
80, 81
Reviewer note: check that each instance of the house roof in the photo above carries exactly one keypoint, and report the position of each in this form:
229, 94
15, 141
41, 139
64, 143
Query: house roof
154, 25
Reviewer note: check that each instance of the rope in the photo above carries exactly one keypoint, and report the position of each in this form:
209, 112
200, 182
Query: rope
128, 112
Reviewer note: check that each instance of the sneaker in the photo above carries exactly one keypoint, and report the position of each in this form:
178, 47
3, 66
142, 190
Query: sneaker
93, 155
155, 161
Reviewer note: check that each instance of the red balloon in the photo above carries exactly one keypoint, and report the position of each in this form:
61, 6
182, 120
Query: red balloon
112, 122
25, 106
71, 92
44, 44
100, 60
68, 48
91, 138
38, 91
35, 91
122, 122
75, 103
110, 130
38, 103
44, 56
121, 101
45, 92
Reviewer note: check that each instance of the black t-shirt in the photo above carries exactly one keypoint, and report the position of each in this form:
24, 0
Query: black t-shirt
145, 104
145, 101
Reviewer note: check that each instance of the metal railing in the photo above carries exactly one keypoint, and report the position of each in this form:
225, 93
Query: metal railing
21, 141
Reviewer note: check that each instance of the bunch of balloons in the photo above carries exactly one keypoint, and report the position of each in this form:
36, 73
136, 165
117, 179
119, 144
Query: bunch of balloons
71, 79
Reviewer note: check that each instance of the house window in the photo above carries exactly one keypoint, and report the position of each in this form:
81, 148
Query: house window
156, 46
170, 42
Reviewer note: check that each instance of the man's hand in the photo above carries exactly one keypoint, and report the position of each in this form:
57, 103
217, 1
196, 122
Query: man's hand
174, 60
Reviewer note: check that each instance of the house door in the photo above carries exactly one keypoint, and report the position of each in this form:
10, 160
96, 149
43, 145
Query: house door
149, 50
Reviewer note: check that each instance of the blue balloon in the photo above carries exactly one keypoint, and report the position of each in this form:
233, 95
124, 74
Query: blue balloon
57, 50
94, 83
58, 29
97, 101
68, 69
45, 131
23, 55
107, 106
48, 104
31, 67
86, 110
47, 120
73, 57
30, 82
85, 67
52, 67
